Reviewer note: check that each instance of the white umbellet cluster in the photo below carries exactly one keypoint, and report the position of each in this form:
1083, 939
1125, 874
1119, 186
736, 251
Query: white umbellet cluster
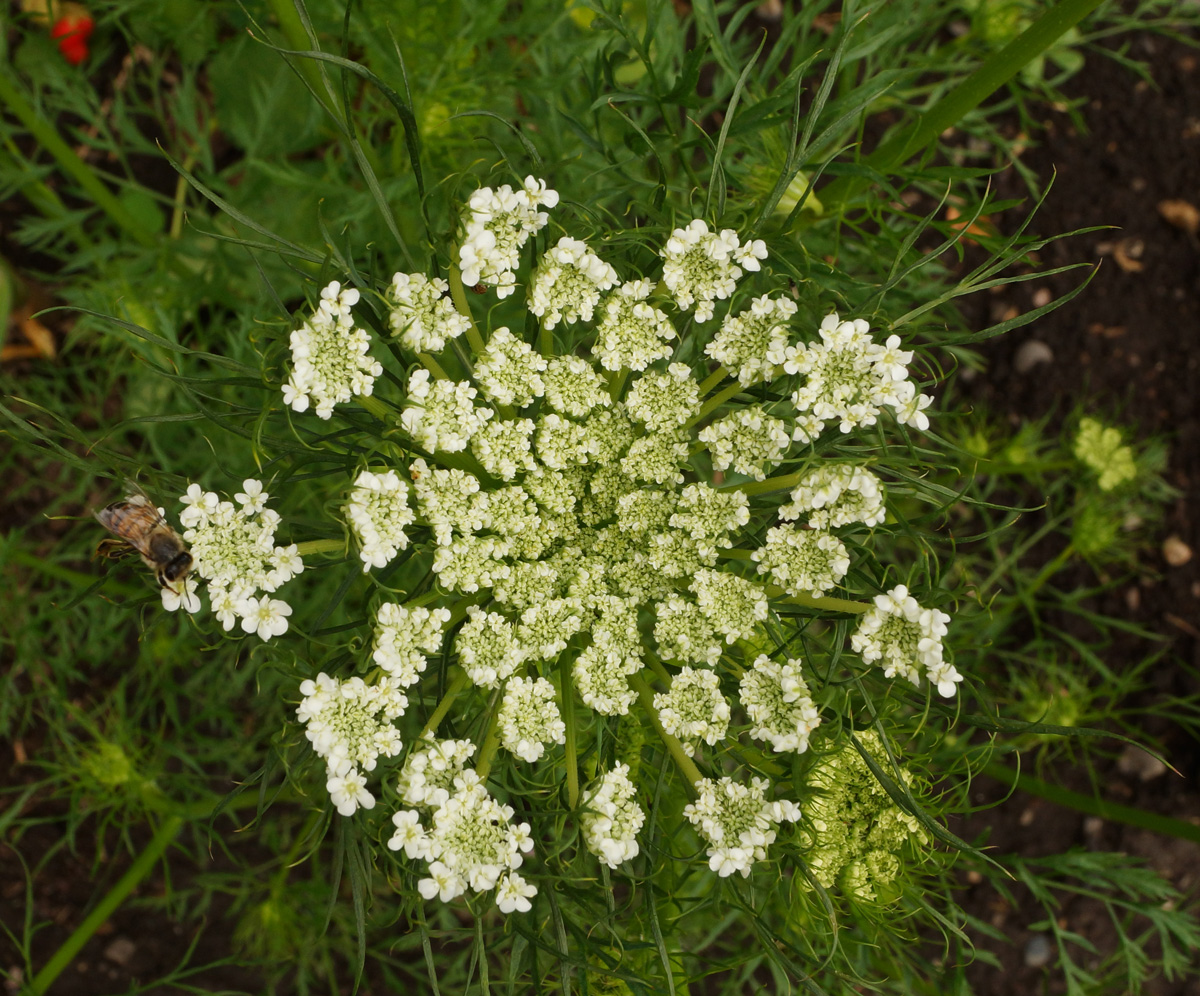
496, 226
428, 774
837, 495
378, 512
775, 697
631, 333
803, 561
903, 638
330, 358
752, 344
529, 718
468, 842
568, 283
848, 378
422, 316
737, 821
350, 725
701, 267
694, 708
233, 547
403, 636
612, 818
749, 439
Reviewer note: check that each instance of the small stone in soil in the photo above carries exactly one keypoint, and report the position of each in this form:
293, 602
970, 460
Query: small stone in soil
1175, 551
1031, 354
1038, 951
1135, 761
120, 951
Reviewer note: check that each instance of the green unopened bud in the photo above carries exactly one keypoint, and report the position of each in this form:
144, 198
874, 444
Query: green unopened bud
108, 765
1100, 448
791, 197
1096, 532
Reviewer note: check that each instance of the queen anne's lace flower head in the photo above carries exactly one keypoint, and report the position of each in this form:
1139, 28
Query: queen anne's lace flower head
775, 697
496, 226
612, 817
700, 266
422, 316
903, 638
378, 513
330, 359
488, 648
568, 283
684, 633
664, 400
732, 604
737, 821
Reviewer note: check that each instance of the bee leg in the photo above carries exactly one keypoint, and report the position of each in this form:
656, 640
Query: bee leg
113, 549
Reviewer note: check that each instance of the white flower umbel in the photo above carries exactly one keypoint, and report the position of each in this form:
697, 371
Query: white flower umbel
732, 604
503, 447
378, 511
749, 439
684, 633
349, 724
848, 378
568, 283
751, 345
403, 635
775, 697
428, 774
330, 359
443, 416
904, 638
509, 371
694, 708
664, 400
496, 225
488, 648
602, 679
631, 333
529, 718
837, 495
700, 267
573, 387
422, 316
612, 818
449, 500
234, 550
469, 844
803, 561
737, 821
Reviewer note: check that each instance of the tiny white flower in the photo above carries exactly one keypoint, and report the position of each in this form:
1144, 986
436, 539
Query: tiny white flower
265, 616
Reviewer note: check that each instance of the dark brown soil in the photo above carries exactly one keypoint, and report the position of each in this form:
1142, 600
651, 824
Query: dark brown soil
1129, 347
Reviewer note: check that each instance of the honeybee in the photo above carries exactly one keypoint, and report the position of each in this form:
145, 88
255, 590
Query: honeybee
138, 524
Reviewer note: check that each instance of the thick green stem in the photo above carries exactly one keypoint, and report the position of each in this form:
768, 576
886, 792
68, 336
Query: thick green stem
1166, 825
963, 99
161, 840
824, 602
685, 764
716, 401
44, 133
712, 380
458, 295
432, 365
377, 408
457, 683
781, 483
617, 384
491, 737
310, 547
566, 705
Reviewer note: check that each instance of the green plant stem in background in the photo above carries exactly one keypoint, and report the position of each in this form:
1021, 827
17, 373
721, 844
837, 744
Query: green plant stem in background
457, 684
646, 697
458, 295
957, 104
140, 868
567, 708
1129, 815
49, 139
310, 547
